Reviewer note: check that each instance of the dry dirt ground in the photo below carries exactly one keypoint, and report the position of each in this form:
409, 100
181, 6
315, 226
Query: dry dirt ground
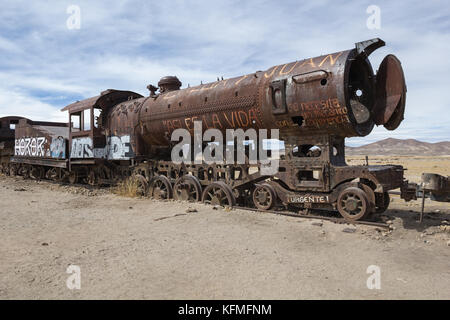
144, 249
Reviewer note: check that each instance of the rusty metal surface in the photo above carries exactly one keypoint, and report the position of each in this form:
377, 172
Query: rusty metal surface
390, 93
251, 101
332, 94
107, 98
122, 120
437, 185
40, 139
56, 163
5, 130
7, 133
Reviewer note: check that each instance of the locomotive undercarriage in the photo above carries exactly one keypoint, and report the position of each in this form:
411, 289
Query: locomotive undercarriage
306, 179
223, 185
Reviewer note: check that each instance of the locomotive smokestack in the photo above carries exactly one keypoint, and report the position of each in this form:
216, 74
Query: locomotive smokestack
169, 83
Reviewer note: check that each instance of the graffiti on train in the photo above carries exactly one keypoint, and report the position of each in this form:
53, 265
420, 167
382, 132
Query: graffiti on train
33, 147
57, 148
81, 148
40, 147
117, 148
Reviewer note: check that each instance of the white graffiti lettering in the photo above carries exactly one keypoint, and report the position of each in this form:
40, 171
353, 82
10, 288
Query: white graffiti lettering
308, 199
117, 148
81, 148
33, 147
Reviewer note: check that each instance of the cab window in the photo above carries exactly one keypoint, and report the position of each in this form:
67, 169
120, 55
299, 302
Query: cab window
75, 121
97, 113
87, 120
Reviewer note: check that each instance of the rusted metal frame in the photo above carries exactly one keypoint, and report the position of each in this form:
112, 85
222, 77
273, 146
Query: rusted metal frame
166, 168
81, 133
340, 175
292, 167
285, 194
41, 162
437, 185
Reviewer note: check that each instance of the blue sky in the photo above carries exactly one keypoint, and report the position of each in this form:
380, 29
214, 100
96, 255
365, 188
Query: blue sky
129, 44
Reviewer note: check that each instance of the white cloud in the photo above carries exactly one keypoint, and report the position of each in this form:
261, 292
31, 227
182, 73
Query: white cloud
16, 103
8, 45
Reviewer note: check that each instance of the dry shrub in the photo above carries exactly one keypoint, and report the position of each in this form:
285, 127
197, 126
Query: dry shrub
128, 188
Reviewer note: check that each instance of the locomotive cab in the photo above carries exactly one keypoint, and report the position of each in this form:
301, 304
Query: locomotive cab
90, 134
85, 131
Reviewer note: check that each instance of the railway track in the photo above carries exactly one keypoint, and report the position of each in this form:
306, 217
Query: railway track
317, 217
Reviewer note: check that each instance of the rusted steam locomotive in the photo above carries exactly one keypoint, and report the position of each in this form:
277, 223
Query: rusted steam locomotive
315, 103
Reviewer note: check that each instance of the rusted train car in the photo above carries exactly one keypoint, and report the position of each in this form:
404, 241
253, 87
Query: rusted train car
40, 149
7, 134
315, 104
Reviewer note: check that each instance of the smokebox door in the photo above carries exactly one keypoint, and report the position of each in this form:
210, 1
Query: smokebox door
390, 94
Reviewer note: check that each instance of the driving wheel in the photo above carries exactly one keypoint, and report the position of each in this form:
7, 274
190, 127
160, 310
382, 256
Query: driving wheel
141, 185
382, 204
219, 194
264, 197
160, 188
353, 204
187, 188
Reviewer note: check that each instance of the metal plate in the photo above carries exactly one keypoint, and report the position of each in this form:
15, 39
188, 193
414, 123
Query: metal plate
390, 94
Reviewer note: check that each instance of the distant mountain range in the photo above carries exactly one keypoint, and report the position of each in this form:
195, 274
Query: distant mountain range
393, 146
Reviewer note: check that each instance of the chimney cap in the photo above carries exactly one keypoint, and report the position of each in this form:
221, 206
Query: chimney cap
169, 83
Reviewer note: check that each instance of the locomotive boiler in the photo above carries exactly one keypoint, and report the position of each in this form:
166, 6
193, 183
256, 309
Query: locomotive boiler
315, 104
335, 94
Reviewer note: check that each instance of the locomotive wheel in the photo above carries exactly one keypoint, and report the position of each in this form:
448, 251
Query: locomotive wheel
160, 188
264, 197
370, 196
92, 178
37, 173
146, 173
23, 171
219, 194
142, 185
12, 171
52, 174
73, 177
381, 206
187, 188
353, 204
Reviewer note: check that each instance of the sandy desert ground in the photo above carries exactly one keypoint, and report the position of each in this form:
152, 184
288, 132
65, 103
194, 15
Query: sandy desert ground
130, 248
